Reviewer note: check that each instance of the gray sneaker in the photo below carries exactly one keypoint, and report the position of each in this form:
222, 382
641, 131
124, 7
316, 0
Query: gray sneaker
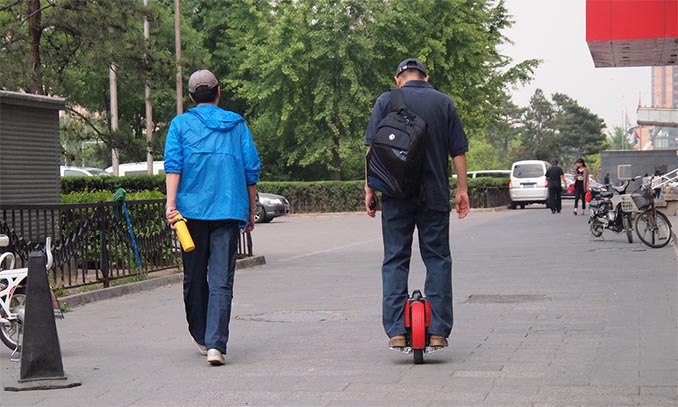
201, 348
215, 358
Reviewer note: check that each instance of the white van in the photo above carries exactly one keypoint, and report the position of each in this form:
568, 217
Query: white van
528, 183
140, 168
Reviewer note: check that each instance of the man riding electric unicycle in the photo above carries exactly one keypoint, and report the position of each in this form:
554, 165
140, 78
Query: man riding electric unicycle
412, 132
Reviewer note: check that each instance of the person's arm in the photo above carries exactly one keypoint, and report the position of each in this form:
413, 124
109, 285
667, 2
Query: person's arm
172, 185
375, 118
370, 195
461, 197
252, 193
252, 165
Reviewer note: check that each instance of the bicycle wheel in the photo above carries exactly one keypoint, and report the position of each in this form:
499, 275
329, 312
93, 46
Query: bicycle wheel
9, 332
626, 222
653, 228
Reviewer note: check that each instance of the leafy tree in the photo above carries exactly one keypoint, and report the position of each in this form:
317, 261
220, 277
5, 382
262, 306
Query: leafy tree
538, 135
504, 133
64, 48
617, 141
579, 132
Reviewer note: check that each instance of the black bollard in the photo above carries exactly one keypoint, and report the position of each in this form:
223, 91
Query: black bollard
41, 365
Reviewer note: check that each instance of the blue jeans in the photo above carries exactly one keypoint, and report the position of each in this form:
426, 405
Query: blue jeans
398, 219
208, 280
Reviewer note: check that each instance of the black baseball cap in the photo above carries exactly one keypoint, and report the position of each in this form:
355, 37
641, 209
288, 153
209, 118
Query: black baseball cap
411, 63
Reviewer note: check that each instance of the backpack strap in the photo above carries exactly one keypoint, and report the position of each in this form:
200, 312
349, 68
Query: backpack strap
397, 103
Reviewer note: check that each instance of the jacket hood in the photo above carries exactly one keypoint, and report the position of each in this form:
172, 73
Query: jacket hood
215, 117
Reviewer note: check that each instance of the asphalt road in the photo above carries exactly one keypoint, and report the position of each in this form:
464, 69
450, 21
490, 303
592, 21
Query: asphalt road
544, 316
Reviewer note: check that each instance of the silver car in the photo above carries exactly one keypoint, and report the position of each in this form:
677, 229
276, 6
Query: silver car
270, 206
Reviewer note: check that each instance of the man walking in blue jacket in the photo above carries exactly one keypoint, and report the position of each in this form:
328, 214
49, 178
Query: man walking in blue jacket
212, 169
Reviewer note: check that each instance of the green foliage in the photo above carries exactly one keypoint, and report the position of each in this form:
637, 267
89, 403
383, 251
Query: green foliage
76, 43
98, 196
132, 184
320, 196
559, 129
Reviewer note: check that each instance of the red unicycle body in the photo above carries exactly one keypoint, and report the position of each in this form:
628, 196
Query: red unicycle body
417, 321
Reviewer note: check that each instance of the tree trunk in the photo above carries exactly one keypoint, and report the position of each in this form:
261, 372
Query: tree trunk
336, 159
34, 33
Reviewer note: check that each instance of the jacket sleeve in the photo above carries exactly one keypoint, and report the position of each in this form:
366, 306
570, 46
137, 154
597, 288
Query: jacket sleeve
250, 156
174, 155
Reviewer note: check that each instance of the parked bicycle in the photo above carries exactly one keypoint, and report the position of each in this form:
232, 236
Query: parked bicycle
13, 295
652, 226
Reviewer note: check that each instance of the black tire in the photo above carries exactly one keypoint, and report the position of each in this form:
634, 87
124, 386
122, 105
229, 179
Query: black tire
626, 222
656, 232
596, 228
260, 214
418, 356
522, 206
9, 334
512, 205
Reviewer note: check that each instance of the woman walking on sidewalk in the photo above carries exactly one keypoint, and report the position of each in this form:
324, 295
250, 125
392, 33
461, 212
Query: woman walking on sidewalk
581, 185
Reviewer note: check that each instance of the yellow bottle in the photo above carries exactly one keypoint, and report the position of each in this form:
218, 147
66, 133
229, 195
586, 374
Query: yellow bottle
184, 235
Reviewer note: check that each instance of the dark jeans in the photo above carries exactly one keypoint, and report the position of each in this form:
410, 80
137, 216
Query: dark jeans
398, 219
555, 200
208, 280
579, 193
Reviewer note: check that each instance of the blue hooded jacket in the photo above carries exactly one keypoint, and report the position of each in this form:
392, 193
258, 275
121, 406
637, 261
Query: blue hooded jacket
213, 151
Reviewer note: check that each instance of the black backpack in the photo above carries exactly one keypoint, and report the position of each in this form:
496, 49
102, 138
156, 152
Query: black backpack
396, 156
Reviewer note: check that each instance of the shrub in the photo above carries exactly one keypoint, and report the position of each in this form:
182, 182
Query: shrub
304, 197
131, 183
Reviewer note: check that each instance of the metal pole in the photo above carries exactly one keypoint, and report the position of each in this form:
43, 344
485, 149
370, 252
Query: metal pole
113, 80
147, 98
177, 47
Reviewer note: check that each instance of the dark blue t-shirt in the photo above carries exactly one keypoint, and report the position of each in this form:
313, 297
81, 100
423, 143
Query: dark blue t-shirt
445, 137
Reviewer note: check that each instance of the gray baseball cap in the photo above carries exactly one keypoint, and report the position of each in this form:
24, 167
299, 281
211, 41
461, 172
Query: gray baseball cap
201, 78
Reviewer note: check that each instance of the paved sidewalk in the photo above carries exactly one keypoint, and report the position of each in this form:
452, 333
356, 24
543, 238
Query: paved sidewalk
543, 317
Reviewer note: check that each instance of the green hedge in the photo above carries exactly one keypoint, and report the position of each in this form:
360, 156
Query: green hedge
131, 183
98, 196
319, 196
304, 197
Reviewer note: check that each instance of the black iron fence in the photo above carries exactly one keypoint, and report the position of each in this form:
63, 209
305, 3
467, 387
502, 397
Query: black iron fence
92, 243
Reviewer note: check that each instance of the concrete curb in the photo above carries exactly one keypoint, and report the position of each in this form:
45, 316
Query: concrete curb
120, 290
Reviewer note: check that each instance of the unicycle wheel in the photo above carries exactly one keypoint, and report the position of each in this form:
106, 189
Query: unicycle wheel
418, 331
418, 356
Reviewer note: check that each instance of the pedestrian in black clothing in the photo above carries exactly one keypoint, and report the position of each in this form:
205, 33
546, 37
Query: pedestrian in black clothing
555, 179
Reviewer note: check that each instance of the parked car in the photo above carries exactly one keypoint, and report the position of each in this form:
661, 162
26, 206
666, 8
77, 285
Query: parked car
489, 173
139, 168
270, 206
70, 171
527, 183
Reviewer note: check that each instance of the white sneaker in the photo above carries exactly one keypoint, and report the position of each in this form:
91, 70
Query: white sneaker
201, 348
215, 358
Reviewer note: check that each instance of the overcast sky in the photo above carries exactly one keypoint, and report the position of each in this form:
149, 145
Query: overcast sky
555, 32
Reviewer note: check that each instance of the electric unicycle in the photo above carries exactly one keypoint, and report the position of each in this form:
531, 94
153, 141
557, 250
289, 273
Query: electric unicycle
417, 321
